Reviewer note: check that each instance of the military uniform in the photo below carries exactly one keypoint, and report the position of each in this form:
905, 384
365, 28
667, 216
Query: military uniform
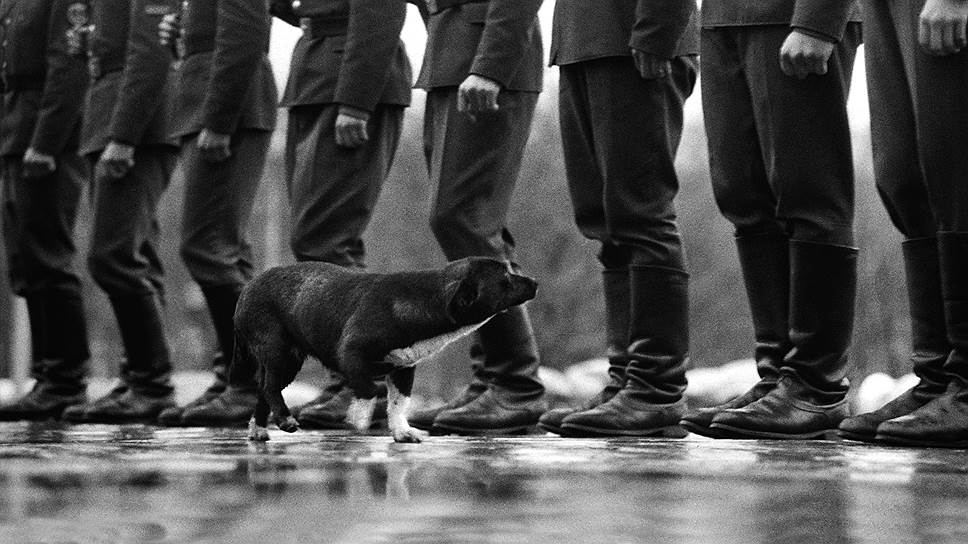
350, 54
620, 134
475, 162
919, 130
224, 44
42, 91
782, 171
127, 102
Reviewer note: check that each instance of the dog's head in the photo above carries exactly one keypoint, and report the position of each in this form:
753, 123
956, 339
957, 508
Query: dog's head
478, 287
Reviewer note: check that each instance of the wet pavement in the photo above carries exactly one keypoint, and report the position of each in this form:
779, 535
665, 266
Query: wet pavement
107, 484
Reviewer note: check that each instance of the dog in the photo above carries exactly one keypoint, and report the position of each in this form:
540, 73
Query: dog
364, 326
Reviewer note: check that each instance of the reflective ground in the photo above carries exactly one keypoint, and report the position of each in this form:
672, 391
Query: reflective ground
106, 484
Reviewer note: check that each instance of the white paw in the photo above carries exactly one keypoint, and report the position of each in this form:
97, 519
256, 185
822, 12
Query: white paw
360, 414
290, 425
257, 433
408, 435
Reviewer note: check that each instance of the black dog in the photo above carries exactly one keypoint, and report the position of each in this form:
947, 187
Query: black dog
364, 326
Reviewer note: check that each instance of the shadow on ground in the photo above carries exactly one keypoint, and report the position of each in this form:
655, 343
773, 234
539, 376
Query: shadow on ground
108, 484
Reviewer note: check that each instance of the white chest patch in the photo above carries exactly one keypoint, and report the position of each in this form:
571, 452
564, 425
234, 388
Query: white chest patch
422, 349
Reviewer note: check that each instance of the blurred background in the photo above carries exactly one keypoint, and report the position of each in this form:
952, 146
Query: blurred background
567, 313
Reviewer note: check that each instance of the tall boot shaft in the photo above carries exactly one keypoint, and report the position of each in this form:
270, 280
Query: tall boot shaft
145, 345
658, 334
67, 352
953, 257
511, 357
38, 334
823, 284
929, 337
221, 301
615, 286
765, 261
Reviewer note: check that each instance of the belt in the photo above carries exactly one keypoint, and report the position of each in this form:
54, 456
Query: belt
323, 27
23, 83
436, 6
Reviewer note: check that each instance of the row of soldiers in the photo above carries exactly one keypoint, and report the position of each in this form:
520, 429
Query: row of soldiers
775, 81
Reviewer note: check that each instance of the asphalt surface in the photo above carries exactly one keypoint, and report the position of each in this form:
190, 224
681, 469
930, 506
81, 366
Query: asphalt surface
108, 484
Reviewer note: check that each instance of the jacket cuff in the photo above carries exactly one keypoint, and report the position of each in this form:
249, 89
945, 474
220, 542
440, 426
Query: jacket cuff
494, 69
827, 18
815, 34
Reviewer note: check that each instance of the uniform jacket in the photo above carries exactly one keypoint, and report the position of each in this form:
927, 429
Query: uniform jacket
497, 39
350, 53
826, 17
43, 86
584, 30
128, 96
225, 81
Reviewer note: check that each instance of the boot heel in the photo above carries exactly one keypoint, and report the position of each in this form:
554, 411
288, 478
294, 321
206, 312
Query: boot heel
675, 431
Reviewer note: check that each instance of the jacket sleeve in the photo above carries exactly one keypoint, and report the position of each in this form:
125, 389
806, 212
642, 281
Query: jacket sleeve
145, 73
505, 38
282, 9
64, 85
826, 17
241, 40
371, 40
660, 25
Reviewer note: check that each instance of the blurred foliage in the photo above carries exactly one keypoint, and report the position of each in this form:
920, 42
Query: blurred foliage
568, 313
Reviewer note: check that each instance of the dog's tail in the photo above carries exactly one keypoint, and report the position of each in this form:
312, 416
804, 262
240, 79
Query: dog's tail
242, 371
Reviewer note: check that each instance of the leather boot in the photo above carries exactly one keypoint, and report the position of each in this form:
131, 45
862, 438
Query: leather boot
928, 337
943, 421
331, 388
809, 400
149, 390
221, 301
615, 283
513, 400
332, 413
651, 402
59, 361
765, 261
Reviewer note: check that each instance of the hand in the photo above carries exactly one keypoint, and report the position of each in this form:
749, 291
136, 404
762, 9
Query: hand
116, 160
169, 29
478, 94
651, 66
351, 127
943, 28
215, 147
37, 164
802, 55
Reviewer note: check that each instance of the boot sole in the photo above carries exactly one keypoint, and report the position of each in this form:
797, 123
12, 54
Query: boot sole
736, 432
672, 431
704, 431
857, 437
897, 441
439, 430
564, 433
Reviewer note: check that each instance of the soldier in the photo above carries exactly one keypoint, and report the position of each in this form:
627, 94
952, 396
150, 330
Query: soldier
917, 71
125, 139
483, 71
349, 83
224, 111
625, 73
42, 181
782, 172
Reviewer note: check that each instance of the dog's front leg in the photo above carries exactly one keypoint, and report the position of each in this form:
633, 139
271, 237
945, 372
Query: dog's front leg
399, 386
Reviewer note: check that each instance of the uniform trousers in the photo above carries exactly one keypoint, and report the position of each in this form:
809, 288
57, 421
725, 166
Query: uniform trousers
474, 162
779, 147
38, 221
218, 204
333, 190
620, 134
124, 257
919, 122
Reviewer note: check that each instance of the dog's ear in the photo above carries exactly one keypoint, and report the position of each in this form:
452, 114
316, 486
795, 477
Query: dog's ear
461, 295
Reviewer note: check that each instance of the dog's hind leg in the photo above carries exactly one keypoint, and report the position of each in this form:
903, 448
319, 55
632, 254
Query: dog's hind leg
258, 425
272, 390
399, 386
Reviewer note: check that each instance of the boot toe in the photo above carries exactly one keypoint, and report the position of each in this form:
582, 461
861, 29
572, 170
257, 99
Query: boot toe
230, 409
171, 417
487, 414
861, 428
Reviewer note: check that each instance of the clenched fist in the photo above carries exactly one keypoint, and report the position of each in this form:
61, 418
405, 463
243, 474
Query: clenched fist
351, 127
116, 160
37, 164
214, 147
802, 55
478, 94
651, 66
943, 28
